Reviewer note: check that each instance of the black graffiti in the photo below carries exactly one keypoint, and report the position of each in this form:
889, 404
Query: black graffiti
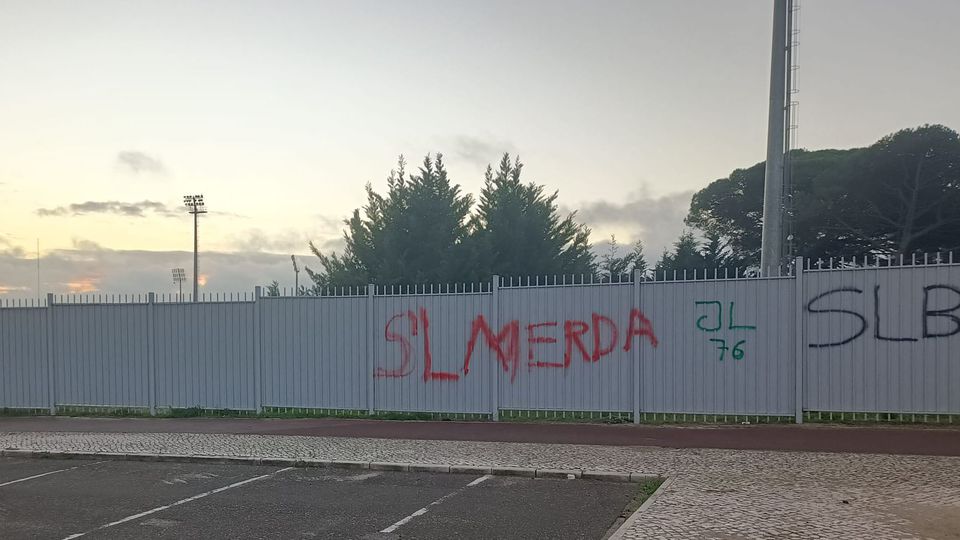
928, 314
876, 318
863, 321
944, 313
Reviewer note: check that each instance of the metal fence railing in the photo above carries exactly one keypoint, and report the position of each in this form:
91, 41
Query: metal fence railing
875, 336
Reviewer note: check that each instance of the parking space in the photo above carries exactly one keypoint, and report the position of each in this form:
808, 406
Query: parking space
117, 499
17, 470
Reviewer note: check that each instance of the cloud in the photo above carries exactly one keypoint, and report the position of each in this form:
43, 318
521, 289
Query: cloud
89, 267
82, 244
84, 284
657, 220
257, 241
138, 162
7, 247
225, 214
325, 232
7, 289
480, 151
129, 209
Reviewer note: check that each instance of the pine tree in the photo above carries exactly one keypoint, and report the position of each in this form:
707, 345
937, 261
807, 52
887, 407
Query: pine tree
417, 233
518, 229
615, 267
686, 255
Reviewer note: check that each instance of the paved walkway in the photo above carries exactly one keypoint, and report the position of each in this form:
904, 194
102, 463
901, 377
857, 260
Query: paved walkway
717, 493
936, 441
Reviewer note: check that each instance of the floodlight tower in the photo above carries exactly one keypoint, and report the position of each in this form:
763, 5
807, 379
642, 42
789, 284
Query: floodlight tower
771, 243
195, 206
179, 276
296, 276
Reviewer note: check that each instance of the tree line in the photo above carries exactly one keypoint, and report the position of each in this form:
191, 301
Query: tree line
900, 195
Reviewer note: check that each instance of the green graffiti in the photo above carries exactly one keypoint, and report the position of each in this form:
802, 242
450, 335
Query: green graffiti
733, 326
737, 352
702, 317
731, 319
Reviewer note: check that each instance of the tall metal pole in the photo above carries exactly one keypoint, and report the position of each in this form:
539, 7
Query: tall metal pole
195, 206
38, 270
789, 203
196, 277
772, 234
296, 276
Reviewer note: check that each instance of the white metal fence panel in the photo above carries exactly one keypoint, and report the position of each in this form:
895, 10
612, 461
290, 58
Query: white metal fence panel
876, 339
883, 339
24, 372
721, 347
203, 353
571, 343
101, 353
314, 352
420, 353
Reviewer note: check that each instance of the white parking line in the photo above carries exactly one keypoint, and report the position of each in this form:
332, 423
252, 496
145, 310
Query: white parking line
178, 503
46, 474
424, 510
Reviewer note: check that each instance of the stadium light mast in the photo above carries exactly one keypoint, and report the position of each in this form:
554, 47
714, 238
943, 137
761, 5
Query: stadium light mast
195, 206
771, 243
179, 276
296, 276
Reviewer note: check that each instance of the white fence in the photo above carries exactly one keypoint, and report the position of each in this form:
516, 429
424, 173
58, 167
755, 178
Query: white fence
864, 339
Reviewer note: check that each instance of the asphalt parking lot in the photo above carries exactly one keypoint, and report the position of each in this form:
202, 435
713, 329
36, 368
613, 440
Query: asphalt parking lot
60, 499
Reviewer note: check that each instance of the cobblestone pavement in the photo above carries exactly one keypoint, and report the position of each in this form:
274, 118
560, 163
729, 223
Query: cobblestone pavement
717, 494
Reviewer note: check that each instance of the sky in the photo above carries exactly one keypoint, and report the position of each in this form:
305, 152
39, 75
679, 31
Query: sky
280, 111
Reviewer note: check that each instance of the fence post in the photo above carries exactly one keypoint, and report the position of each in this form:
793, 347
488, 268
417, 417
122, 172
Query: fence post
495, 315
257, 329
151, 355
798, 353
371, 351
637, 279
51, 364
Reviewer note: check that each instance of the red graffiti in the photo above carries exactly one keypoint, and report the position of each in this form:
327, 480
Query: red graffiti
639, 326
572, 330
533, 338
428, 373
510, 333
405, 347
598, 351
505, 343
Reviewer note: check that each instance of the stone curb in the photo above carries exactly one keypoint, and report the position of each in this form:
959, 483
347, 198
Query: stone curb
528, 472
630, 521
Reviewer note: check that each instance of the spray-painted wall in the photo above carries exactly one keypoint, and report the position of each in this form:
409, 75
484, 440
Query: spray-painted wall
882, 340
875, 339
724, 346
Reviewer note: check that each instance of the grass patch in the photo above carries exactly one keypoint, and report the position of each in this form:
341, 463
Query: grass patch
718, 419
116, 412
644, 490
588, 417
14, 411
307, 412
862, 418
199, 412
506, 415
